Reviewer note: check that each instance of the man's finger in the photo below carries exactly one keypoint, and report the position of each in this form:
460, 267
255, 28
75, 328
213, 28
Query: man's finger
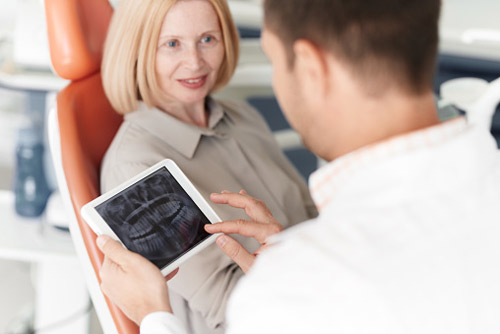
113, 249
234, 199
236, 252
259, 232
254, 208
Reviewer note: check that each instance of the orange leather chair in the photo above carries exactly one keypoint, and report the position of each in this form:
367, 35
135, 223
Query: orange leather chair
81, 127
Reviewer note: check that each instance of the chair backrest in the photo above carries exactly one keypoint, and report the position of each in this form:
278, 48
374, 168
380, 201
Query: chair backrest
85, 126
81, 129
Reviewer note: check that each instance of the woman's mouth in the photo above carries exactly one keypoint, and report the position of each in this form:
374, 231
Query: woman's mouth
193, 83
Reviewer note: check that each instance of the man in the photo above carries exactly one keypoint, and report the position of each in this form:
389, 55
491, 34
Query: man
407, 240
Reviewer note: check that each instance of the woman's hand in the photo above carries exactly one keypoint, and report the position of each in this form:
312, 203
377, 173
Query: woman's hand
260, 227
132, 282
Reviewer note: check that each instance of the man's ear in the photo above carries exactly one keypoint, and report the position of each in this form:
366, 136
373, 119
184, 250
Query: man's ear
311, 67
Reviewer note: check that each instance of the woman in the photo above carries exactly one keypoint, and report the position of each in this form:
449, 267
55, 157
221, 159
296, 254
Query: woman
162, 60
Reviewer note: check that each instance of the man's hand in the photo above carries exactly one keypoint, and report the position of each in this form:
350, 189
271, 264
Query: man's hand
261, 226
130, 281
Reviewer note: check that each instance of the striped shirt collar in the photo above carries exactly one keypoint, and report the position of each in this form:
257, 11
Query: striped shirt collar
325, 182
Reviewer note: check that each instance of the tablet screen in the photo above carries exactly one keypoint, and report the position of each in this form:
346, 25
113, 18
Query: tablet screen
156, 218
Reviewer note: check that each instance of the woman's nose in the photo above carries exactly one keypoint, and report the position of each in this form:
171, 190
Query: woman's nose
193, 58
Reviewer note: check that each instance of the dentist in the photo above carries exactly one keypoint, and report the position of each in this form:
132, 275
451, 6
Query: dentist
407, 236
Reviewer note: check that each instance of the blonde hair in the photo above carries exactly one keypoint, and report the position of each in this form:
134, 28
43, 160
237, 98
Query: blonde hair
128, 65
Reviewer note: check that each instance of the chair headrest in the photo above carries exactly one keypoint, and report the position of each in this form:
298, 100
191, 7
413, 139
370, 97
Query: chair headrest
76, 32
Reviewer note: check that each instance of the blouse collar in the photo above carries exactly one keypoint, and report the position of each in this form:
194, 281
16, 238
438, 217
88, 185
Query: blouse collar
182, 136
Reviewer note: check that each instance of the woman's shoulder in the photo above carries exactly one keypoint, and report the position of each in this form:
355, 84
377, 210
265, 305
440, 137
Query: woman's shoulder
121, 162
241, 111
130, 152
233, 105
128, 137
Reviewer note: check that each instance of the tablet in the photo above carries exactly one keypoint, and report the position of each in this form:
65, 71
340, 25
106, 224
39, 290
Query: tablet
158, 214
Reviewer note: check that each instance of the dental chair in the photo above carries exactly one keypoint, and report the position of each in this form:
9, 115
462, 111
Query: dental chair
81, 127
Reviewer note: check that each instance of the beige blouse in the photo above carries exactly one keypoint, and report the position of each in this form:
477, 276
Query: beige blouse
236, 151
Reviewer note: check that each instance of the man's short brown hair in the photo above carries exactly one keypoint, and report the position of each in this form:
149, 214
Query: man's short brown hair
395, 39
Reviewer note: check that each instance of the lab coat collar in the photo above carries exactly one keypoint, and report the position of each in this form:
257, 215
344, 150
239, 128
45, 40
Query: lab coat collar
327, 181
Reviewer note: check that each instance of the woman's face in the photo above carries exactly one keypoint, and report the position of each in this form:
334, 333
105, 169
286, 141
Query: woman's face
190, 51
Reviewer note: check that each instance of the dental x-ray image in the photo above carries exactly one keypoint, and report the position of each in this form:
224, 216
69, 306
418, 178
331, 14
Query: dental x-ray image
156, 218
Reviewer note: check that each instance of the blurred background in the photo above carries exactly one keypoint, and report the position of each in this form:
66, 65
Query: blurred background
32, 249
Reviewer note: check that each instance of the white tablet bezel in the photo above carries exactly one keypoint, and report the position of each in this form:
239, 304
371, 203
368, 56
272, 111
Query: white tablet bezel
99, 225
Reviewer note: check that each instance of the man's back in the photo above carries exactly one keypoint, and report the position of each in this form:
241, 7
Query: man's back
407, 242
407, 238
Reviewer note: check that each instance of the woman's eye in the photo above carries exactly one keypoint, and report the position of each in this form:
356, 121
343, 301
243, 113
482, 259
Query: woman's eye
172, 44
207, 39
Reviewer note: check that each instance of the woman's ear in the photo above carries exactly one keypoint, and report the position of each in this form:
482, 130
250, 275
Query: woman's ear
312, 69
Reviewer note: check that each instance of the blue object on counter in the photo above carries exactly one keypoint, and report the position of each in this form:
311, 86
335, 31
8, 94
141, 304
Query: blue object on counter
30, 184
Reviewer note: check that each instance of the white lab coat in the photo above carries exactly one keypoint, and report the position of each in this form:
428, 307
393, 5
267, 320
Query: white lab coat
407, 241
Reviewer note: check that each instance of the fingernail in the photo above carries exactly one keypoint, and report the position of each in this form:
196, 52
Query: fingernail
208, 227
101, 240
225, 192
221, 241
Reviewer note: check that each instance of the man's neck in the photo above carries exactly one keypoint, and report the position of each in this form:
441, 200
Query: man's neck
369, 121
